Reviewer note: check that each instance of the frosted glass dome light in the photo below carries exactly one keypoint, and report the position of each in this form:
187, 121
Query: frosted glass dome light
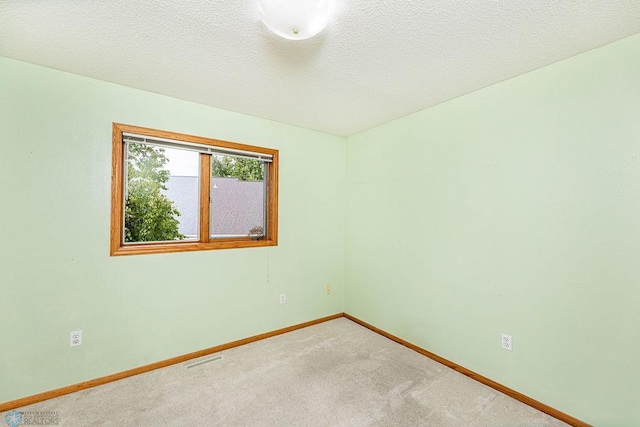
296, 19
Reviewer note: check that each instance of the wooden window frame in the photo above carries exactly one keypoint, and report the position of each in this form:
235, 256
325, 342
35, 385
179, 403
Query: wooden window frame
118, 247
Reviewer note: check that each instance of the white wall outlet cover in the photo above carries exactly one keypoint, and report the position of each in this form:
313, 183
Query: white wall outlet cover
75, 338
283, 298
507, 342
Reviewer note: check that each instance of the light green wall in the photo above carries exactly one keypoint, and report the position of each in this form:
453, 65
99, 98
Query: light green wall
56, 275
513, 209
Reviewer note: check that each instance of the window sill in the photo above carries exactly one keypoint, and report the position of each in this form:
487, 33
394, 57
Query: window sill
159, 248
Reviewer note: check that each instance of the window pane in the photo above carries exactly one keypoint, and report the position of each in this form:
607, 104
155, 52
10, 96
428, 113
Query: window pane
237, 197
161, 194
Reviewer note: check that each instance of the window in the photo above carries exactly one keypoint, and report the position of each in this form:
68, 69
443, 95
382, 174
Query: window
173, 192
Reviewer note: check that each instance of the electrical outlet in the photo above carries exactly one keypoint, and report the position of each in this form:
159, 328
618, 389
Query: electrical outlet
328, 289
75, 338
507, 342
283, 298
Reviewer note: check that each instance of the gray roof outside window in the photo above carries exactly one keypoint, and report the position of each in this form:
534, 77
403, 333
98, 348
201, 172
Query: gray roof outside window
238, 205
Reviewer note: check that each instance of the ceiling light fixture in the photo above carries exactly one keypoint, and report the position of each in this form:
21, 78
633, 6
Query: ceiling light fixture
296, 19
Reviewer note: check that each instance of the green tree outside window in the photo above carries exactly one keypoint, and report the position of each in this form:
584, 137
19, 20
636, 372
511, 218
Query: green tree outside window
149, 216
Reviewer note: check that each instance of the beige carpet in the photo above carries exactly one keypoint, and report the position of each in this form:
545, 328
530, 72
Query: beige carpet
333, 374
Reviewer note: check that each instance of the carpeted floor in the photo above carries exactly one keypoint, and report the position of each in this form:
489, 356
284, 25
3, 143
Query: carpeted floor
333, 374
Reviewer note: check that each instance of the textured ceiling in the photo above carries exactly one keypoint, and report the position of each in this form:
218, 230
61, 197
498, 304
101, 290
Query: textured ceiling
377, 61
